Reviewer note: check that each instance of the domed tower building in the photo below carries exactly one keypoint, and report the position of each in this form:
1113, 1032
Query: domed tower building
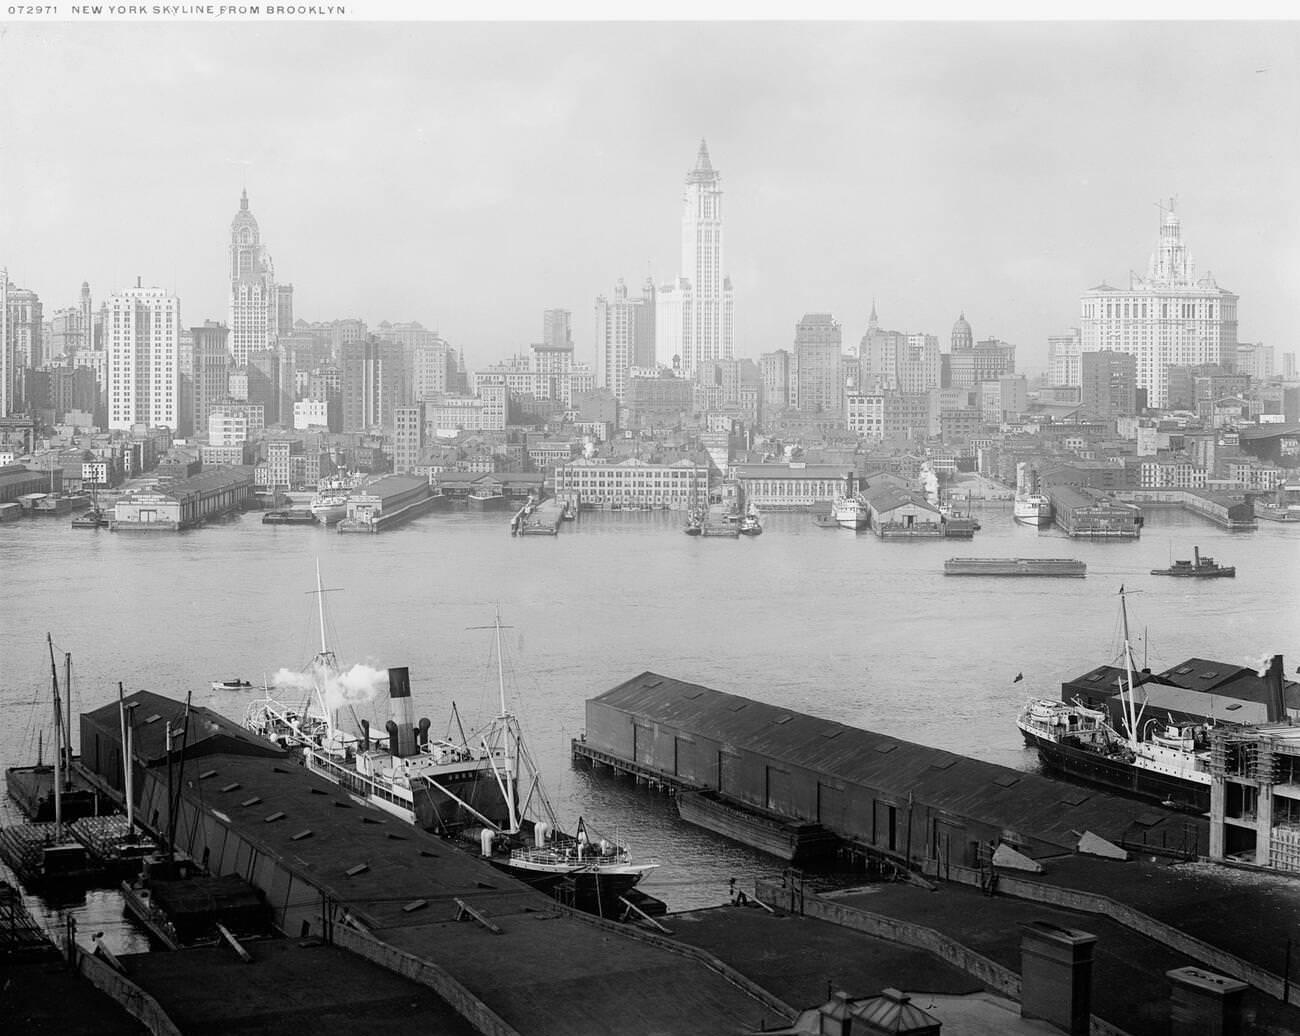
963, 338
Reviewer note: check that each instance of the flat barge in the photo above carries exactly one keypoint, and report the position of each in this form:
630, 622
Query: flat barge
1014, 567
292, 516
769, 832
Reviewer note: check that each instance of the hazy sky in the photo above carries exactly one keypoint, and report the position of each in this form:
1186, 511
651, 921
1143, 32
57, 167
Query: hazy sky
471, 175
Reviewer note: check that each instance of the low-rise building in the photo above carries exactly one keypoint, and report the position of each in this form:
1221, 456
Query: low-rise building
794, 486
631, 483
184, 503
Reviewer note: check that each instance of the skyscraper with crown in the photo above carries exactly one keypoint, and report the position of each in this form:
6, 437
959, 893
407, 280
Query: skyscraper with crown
693, 314
260, 309
1169, 318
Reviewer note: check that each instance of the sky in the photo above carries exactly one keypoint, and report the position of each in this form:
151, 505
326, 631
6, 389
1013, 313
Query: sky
470, 175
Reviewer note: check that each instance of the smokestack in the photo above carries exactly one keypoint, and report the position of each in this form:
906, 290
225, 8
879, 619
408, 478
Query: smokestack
399, 695
422, 736
1276, 701
365, 735
1196, 553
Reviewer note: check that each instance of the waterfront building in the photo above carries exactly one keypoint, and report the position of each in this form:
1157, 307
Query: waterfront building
817, 381
1107, 384
1063, 358
632, 483
184, 503
259, 308
1169, 317
693, 314
794, 486
142, 342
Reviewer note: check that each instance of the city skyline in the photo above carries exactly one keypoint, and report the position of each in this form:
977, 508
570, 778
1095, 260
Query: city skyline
471, 176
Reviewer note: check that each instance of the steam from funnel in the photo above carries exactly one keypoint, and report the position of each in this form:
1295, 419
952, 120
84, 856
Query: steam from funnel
355, 686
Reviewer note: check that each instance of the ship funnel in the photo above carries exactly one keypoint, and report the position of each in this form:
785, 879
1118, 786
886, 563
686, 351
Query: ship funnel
1276, 700
423, 736
399, 694
1196, 553
365, 735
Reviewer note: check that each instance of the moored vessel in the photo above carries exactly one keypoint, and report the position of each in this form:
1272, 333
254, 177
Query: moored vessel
1167, 762
330, 504
1030, 507
850, 511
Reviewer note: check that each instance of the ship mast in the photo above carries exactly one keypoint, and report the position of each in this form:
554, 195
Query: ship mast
58, 733
505, 726
1131, 715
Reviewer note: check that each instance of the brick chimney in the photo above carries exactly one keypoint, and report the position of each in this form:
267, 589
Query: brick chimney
1204, 1004
1056, 976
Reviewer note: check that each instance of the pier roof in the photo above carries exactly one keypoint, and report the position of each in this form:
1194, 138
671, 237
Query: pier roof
404, 887
208, 731
1032, 806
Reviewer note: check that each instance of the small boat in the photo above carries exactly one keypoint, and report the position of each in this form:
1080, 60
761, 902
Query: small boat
1199, 567
750, 524
92, 519
231, 685
695, 522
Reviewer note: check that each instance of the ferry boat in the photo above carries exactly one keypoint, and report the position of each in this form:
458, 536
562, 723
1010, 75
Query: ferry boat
1284, 507
1167, 762
330, 504
850, 511
1198, 568
231, 685
1030, 506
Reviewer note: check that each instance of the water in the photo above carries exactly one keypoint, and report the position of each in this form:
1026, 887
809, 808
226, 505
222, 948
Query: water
838, 624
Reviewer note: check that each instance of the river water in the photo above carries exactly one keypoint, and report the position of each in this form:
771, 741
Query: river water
838, 624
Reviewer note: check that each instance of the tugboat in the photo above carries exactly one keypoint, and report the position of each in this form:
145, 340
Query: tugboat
1199, 567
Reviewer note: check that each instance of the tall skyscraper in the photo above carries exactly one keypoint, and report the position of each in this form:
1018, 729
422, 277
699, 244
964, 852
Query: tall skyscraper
620, 329
818, 381
694, 314
210, 382
22, 332
259, 308
1168, 318
1108, 385
142, 340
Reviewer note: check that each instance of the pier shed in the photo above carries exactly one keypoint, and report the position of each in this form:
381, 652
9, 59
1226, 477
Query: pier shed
923, 804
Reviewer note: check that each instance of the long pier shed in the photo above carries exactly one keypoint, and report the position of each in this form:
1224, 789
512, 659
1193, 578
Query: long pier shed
895, 796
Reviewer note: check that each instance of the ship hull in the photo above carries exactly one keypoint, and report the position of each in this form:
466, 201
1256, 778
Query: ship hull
589, 891
1031, 512
1061, 759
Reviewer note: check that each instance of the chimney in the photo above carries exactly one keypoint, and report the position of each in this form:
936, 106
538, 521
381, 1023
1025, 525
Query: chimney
1056, 976
1204, 1004
1276, 700
399, 700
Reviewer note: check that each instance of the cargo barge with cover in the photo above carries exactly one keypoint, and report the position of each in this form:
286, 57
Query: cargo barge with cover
1015, 567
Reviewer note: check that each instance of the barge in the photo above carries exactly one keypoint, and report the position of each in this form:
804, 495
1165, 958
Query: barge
769, 832
1014, 567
